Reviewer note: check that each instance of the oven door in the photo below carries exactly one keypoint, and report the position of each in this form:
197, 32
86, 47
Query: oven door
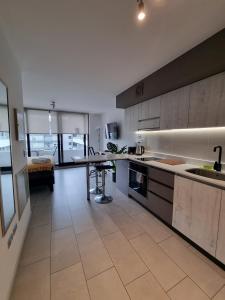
138, 182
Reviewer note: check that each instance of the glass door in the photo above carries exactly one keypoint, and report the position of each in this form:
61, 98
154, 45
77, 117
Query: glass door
44, 144
72, 145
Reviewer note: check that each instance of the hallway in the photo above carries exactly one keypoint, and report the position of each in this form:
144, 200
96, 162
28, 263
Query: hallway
119, 251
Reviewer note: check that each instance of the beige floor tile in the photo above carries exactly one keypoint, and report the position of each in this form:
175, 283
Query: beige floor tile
107, 286
146, 288
156, 229
82, 220
37, 245
199, 271
69, 284
130, 206
127, 262
60, 218
208, 261
220, 295
187, 290
102, 221
127, 225
64, 249
41, 215
94, 256
162, 267
32, 282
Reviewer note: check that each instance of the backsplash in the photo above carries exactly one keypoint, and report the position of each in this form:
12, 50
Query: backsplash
195, 144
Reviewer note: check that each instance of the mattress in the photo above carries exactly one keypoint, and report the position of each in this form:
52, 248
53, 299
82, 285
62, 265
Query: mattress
39, 167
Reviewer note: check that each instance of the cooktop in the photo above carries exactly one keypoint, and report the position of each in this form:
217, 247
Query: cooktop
148, 158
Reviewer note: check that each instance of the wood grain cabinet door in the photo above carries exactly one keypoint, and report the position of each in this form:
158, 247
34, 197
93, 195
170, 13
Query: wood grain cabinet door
220, 251
174, 109
182, 206
196, 212
207, 102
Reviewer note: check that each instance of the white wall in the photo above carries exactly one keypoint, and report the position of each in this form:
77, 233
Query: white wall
95, 126
115, 115
11, 75
196, 144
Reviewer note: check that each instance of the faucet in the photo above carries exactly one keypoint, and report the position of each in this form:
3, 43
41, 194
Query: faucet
217, 164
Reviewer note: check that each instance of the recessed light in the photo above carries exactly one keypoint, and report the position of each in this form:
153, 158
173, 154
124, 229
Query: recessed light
141, 10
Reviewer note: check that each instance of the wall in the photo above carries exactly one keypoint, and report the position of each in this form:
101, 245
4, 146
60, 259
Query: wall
115, 115
11, 75
96, 131
195, 143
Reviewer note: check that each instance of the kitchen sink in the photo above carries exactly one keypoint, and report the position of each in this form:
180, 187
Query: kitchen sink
207, 173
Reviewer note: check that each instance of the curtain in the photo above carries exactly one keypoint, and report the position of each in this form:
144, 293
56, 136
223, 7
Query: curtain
73, 123
37, 121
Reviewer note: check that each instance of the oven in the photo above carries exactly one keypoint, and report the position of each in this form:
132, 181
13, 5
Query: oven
138, 177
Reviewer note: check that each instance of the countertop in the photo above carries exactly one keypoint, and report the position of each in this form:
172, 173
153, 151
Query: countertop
177, 169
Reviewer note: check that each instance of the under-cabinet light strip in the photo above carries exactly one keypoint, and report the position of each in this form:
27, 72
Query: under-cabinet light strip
180, 130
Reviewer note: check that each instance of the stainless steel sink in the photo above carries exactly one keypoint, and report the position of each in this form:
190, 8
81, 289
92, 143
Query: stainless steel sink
207, 173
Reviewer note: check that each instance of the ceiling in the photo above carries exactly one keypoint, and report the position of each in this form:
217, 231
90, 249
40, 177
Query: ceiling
81, 53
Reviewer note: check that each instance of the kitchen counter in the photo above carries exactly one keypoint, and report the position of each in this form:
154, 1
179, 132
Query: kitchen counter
177, 169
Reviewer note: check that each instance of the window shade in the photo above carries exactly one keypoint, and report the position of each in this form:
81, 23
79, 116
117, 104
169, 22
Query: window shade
73, 123
38, 121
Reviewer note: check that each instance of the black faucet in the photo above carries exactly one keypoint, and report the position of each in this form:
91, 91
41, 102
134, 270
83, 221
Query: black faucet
217, 164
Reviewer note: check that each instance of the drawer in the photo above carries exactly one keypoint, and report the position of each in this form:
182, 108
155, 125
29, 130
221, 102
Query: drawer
160, 207
162, 176
161, 190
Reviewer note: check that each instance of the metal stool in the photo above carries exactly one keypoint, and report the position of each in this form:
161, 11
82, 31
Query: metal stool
96, 190
103, 198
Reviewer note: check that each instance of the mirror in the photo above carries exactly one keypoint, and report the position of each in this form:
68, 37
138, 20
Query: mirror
7, 203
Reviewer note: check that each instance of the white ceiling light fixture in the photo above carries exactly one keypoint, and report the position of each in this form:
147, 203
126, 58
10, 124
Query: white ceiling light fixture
141, 10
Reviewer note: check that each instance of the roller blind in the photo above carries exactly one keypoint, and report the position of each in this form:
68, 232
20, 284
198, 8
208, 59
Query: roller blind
38, 121
73, 123
4, 122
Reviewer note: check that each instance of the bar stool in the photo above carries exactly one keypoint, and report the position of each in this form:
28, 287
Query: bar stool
103, 198
93, 173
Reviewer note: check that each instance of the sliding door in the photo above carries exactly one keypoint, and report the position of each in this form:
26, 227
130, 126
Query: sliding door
59, 134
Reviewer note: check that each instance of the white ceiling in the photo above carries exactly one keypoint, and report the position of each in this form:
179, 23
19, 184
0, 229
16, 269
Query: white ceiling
83, 52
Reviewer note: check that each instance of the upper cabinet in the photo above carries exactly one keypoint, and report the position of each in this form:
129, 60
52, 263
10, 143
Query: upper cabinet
202, 61
174, 109
149, 114
207, 102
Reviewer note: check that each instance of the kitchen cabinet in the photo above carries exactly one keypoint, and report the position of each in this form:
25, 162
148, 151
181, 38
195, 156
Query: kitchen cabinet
174, 109
149, 114
207, 102
220, 251
131, 118
122, 176
160, 193
204, 60
196, 210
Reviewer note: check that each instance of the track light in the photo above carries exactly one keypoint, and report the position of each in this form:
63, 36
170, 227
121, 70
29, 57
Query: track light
141, 10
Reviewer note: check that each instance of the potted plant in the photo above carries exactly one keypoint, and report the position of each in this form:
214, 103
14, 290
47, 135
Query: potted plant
113, 148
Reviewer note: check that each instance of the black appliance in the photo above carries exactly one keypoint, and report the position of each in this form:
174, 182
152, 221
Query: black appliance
131, 150
148, 158
138, 179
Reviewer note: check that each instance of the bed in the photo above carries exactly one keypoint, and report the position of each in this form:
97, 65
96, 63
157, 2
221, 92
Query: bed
41, 171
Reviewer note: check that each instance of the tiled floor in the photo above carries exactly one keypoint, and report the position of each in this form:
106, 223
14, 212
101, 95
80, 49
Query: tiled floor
77, 250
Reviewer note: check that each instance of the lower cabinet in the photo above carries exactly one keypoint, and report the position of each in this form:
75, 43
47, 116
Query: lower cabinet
160, 193
196, 211
220, 251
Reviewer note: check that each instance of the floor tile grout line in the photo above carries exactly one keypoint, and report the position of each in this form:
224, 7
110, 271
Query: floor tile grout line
218, 291
150, 268
186, 272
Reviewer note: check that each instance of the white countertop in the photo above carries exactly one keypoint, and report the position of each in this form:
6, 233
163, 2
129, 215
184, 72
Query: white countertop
177, 169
